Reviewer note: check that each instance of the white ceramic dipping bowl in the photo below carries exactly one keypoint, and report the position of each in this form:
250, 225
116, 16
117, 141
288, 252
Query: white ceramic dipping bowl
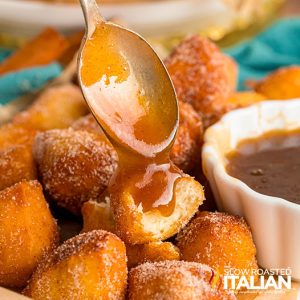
275, 222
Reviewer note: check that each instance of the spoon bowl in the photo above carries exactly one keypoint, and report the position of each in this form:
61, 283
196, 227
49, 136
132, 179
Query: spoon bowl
126, 86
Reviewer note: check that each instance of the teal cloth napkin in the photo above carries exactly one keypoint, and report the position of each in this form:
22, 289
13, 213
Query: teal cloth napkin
277, 46
16, 84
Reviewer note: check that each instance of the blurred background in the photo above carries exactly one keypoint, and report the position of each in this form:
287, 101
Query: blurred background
161, 21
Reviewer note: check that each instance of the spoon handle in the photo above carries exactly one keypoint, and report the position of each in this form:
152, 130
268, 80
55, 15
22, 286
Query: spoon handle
91, 14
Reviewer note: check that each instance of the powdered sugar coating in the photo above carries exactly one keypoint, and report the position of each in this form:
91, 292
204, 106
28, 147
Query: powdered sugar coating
175, 280
75, 166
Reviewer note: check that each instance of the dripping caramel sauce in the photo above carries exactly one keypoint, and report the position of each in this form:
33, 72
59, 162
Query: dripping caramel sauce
141, 129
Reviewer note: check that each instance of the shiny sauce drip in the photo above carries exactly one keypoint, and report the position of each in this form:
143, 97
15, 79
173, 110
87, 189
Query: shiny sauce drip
269, 164
141, 126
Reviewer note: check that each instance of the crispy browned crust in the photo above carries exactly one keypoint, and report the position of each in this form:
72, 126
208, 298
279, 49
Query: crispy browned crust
176, 280
27, 232
283, 83
218, 240
202, 76
75, 166
91, 265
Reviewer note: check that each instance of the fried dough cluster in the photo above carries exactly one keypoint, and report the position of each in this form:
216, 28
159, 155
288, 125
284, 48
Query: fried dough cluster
56, 141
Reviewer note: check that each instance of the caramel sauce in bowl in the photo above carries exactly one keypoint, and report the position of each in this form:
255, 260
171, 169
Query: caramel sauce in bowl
274, 221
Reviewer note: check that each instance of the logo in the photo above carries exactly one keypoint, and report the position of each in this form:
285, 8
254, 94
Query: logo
248, 280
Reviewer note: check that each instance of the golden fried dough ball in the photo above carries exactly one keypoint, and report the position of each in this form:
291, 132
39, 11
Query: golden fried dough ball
176, 280
137, 227
243, 99
152, 252
283, 83
97, 215
218, 240
27, 232
91, 265
186, 150
16, 164
202, 76
75, 166
56, 107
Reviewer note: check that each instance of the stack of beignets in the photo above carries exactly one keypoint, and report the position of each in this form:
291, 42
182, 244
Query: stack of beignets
176, 256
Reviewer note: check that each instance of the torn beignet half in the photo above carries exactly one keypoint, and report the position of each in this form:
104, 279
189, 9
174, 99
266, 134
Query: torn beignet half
135, 226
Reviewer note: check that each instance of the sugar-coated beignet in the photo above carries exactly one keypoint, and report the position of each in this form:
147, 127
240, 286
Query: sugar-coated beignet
218, 240
186, 150
202, 76
176, 280
16, 164
152, 252
75, 166
27, 232
97, 215
56, 107
283, 83
91, 265
137, 227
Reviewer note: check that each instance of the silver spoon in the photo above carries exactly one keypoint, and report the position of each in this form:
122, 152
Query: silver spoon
144, 86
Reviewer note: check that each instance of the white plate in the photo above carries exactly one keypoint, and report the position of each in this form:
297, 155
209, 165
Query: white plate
155, 18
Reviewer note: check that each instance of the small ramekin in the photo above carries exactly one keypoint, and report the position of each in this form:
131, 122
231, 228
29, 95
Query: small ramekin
275, 222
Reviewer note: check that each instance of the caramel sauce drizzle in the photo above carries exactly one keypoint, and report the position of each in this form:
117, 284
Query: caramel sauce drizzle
141, 126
